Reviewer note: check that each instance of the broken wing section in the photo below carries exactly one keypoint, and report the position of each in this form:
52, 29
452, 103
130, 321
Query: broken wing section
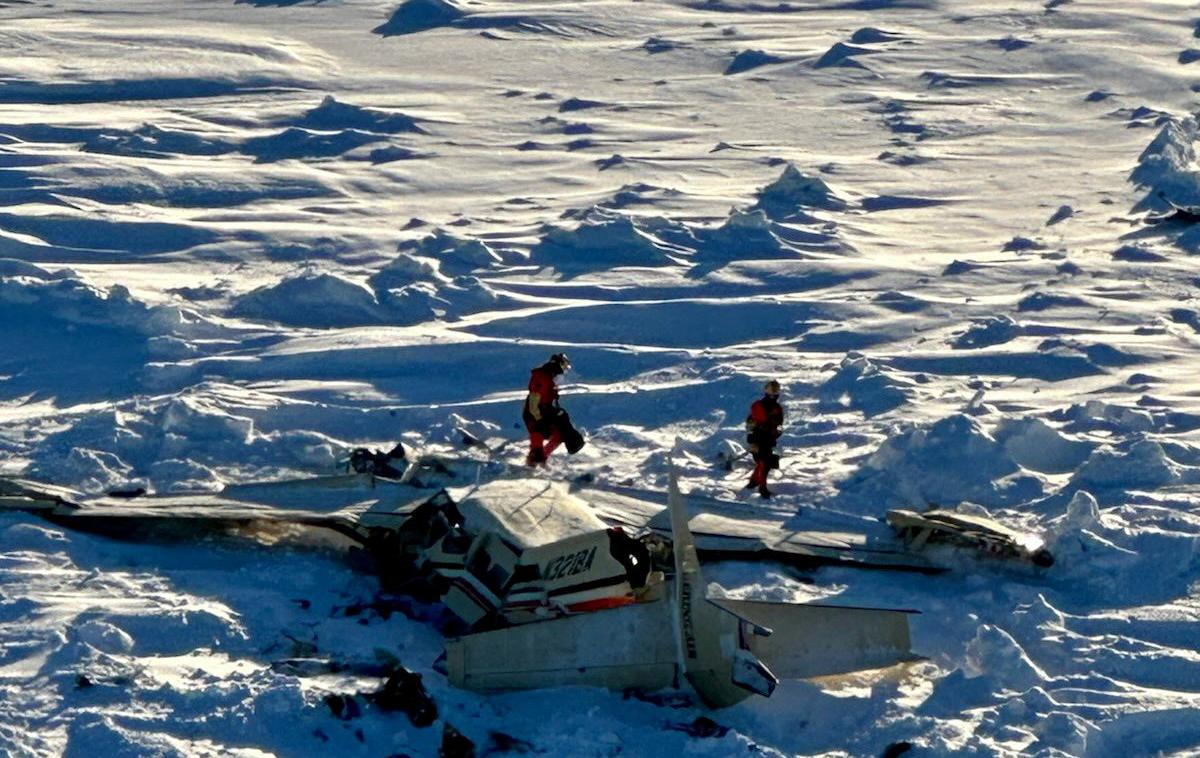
21, 495
981, 533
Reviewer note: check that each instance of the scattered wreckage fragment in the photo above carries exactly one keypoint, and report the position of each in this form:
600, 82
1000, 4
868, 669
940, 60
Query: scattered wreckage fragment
942, 526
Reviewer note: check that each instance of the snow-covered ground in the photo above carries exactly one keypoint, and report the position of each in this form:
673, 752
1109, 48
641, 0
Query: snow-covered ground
239, 238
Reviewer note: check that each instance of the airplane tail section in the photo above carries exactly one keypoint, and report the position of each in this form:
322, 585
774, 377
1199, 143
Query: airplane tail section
714, 651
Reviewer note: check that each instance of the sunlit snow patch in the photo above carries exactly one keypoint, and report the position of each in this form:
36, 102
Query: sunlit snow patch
58, 327
332, 115
951, 461
1168, 170
603, 239
453, 254
861, 385
413, 16
793, 192
312, 299
751, 59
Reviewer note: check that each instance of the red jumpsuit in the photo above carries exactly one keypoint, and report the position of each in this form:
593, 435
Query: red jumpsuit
541, 408
763, 427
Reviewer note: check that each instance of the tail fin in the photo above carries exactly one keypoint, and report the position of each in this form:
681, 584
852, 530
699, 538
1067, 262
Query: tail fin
713, 651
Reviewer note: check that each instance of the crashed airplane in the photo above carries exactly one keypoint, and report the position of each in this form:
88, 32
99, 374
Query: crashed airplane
669, 629
554, 584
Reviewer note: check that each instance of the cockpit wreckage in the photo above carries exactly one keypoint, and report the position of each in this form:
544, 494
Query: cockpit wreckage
555, 584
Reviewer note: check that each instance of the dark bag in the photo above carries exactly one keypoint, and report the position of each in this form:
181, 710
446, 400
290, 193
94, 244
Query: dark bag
571, 437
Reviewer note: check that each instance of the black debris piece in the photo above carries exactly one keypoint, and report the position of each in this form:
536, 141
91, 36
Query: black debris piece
702, 727
897, 749
455, 744
344, 707
499, 742
367, 461
661, 699
403, 691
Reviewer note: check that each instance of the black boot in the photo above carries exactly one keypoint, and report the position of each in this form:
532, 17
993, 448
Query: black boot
764, 492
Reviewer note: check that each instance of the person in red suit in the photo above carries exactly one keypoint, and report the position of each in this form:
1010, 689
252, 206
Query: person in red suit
541, 412
763, 427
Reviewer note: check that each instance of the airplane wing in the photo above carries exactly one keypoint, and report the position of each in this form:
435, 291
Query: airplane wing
723, 529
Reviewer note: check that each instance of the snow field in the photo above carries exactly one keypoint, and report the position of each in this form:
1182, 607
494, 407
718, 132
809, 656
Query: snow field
239, 239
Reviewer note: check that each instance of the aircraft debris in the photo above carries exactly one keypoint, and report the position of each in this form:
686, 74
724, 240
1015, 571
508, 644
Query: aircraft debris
554, 584
942, 526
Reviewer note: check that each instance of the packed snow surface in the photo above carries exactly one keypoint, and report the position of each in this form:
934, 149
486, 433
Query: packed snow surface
240, 238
